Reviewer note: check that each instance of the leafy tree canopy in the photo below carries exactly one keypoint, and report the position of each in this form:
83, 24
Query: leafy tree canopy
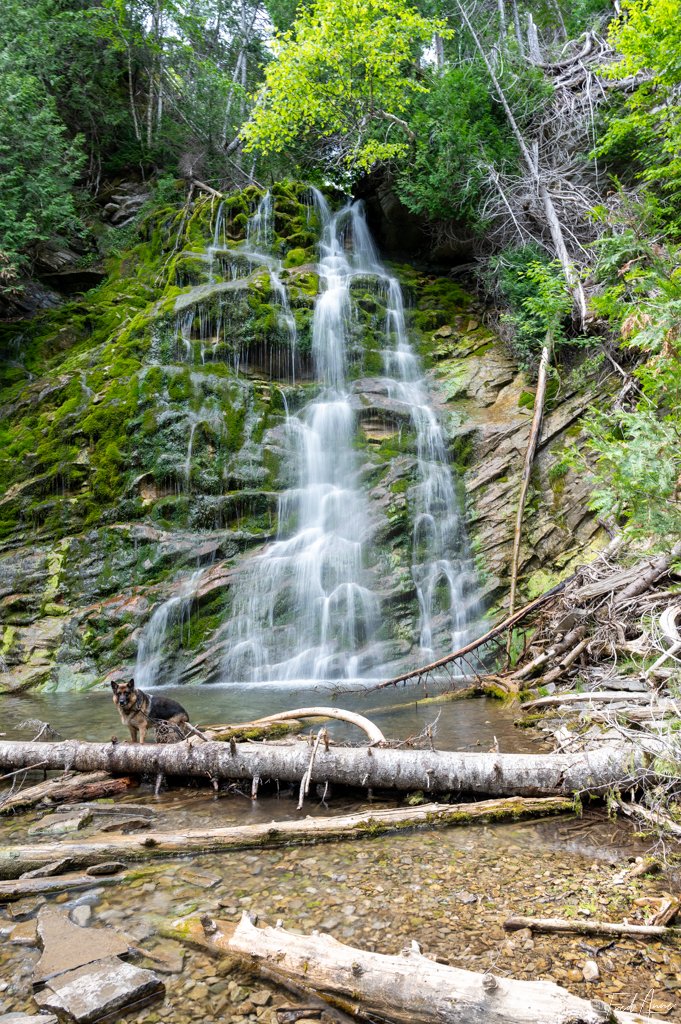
345, 73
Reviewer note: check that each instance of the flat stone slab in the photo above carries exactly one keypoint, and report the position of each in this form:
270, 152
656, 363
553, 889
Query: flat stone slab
99, 989
27, 1018
60, 824
24, 934
66, 946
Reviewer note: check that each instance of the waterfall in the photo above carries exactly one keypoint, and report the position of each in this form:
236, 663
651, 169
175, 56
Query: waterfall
152, 649
308, 607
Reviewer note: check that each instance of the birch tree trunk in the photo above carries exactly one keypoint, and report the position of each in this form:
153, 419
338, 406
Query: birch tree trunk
406, 989
432, 771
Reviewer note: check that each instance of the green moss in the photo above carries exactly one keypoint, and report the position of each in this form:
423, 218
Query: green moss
296, 258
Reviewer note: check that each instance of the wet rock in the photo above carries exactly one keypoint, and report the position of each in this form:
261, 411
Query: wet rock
128, 824
58, 824
168, 959
198, 878
56, 867
24, 934
27, 1018
81, 915
111, 867
66, 946
590, 971
98, 989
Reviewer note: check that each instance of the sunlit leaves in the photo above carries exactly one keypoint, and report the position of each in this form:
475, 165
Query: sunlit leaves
336, 75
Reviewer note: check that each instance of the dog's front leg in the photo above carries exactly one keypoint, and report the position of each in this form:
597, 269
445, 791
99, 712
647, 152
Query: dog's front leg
143, 732
133, 733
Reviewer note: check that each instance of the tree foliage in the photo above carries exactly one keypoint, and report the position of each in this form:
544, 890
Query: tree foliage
647, 36
347, 73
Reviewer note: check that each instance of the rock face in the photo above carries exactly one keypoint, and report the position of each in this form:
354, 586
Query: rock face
488, 403
144, 451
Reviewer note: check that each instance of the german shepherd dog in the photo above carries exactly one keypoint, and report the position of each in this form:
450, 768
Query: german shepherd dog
142, 711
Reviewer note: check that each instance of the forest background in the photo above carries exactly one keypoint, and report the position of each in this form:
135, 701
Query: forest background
547, 135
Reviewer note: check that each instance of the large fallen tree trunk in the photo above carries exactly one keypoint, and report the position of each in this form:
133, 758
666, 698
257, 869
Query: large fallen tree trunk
433, 771
406, 989
81, 853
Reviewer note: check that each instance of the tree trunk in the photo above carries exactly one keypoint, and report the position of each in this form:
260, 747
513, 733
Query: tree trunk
406, 989
66, 789
533, 441
82, 853
433, 771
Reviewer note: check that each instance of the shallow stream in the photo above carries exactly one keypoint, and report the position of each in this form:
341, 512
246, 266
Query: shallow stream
450, 890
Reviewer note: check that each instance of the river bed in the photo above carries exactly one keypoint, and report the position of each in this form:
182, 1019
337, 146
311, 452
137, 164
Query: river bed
450, 890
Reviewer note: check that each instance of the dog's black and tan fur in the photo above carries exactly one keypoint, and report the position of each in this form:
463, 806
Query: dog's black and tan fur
141, 711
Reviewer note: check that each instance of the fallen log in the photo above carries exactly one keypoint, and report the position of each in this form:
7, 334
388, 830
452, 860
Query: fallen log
595, 696
69, 787
488, 774
562, 926
15, 859
20, 888
405, 989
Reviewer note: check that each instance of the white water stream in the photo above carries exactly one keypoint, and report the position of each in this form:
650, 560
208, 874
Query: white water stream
308, 608
305, 609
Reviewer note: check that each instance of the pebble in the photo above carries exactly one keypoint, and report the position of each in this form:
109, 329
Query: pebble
81, 915
590, 971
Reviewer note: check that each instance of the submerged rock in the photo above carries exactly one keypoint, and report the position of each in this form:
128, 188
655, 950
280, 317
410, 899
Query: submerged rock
99, 989
66, 946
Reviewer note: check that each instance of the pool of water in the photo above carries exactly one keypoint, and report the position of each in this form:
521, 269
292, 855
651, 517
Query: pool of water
449, 890
468, 724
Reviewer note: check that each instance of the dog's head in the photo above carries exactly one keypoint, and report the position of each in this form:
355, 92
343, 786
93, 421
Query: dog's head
123, 692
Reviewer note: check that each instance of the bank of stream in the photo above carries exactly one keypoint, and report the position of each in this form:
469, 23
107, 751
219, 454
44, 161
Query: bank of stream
450, 890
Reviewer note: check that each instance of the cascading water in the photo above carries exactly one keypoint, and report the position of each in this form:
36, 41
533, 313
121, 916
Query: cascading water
306, 597
151, 650
308, 607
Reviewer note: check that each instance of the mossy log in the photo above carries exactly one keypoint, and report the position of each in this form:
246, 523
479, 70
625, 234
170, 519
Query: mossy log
405, 989
433, 771
15, 860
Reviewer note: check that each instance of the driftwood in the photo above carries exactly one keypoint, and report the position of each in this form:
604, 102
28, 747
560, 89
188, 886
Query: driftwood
372, 731
492, 634
595, 696
657, 819
66, 789
405, 989
559, 925
20, 888
15, 860
535, 433
488, 774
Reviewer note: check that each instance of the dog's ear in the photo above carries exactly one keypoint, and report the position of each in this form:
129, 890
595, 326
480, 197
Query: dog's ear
131, 684
113, 685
